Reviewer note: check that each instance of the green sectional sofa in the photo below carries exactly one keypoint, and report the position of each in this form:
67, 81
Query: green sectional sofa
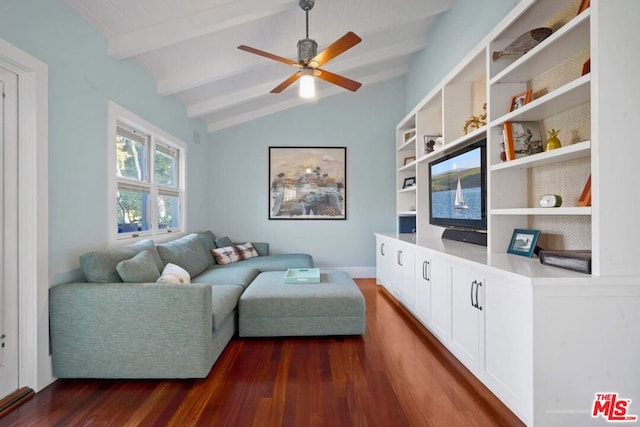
106, 328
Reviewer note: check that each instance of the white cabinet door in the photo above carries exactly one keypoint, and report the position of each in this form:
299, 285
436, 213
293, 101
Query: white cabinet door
404, 274
382, 260
507, 368
422, 307
409, 276
440, 281
466, 305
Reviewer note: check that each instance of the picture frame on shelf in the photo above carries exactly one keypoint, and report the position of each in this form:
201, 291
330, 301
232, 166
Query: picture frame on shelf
408, 160
585, 196
522, 139
307, 183
523, 242
409, 182
586, 67
429, 143
407, 135
519, 100
584, 5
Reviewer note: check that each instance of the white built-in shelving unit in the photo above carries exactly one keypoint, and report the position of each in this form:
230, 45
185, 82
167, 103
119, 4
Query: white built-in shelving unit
546, 339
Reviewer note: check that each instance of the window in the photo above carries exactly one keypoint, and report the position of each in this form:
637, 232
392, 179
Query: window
149, 177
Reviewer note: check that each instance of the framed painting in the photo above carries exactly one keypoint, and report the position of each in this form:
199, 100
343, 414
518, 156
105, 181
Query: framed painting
523, 242
307, 183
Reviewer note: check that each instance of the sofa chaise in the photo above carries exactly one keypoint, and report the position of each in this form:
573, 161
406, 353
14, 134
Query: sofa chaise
105, 328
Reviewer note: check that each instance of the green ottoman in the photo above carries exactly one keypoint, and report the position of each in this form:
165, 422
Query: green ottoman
269, 307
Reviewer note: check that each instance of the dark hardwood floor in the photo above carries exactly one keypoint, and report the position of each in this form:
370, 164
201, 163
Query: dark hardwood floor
397, 374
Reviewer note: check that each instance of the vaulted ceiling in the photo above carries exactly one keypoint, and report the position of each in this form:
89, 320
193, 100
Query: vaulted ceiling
190, 46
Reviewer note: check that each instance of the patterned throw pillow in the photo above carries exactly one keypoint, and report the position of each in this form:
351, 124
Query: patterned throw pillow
246, 251
226, 255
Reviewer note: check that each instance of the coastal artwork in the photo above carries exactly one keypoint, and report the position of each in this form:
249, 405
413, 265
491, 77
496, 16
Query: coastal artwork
307, 183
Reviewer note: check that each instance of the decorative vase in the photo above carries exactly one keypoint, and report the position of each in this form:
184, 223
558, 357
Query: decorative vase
553, 142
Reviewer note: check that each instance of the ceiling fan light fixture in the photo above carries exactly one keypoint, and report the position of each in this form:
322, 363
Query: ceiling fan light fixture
307, 88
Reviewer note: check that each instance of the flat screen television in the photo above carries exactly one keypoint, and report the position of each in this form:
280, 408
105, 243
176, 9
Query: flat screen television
458, 189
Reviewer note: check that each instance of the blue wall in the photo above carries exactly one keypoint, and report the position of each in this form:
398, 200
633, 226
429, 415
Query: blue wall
227, 177
364, 122
452, 35
82, 79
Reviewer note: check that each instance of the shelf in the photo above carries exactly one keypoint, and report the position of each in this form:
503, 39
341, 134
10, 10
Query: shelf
408, 189
408, 143
406, 213
565, 97
570, 38
407, 167
569, 152
543, 211
469, 138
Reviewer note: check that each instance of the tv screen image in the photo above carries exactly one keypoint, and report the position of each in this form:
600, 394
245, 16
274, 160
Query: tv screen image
457, 189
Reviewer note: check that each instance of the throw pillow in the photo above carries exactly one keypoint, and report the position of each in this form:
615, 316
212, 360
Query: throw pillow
246, 251
187, 252
139, 269
209, 241
174, 274
223, 242
226, 255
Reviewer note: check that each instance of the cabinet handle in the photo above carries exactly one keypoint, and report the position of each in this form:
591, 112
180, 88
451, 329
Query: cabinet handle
472, 303
429, 271
382, 249
424, 270
400, 258
478, 306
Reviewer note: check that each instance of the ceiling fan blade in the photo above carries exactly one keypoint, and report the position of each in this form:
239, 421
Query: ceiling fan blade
269, 55
344, 43
344, 82
288, 82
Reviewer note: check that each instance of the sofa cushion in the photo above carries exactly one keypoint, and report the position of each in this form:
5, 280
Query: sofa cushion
246, 250
139, 269
174, 274
278, 262
220, 275
225, 300
226, 255
209, 242
100, 266
222, 242
187, 252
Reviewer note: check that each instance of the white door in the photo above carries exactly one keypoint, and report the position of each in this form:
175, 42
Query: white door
465, 322
8, 233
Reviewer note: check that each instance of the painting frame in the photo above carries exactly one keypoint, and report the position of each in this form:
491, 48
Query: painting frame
517, 247
522, 139
519, 100
584, 5
409, 182
307, 183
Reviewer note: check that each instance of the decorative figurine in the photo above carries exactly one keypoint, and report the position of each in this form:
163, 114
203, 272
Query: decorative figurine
553, 142
476, 121
524, 43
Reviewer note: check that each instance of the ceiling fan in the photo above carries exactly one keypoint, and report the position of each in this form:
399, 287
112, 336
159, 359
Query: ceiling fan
310, 61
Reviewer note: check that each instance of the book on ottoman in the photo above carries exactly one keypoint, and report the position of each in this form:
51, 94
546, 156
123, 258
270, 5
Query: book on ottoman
302, 275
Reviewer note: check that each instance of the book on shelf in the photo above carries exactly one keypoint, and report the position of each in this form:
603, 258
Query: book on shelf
576, 260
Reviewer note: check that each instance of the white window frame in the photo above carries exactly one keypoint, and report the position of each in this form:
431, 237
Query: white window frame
119, 115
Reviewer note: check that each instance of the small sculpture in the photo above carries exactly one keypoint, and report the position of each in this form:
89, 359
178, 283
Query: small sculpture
553, 142
476, 121
524, 43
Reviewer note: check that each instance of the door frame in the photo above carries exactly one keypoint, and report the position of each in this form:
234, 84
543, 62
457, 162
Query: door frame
33, 230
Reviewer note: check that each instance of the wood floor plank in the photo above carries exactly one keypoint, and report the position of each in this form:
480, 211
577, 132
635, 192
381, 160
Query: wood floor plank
396, 374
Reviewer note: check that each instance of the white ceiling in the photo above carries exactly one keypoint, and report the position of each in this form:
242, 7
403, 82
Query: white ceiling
190, 46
